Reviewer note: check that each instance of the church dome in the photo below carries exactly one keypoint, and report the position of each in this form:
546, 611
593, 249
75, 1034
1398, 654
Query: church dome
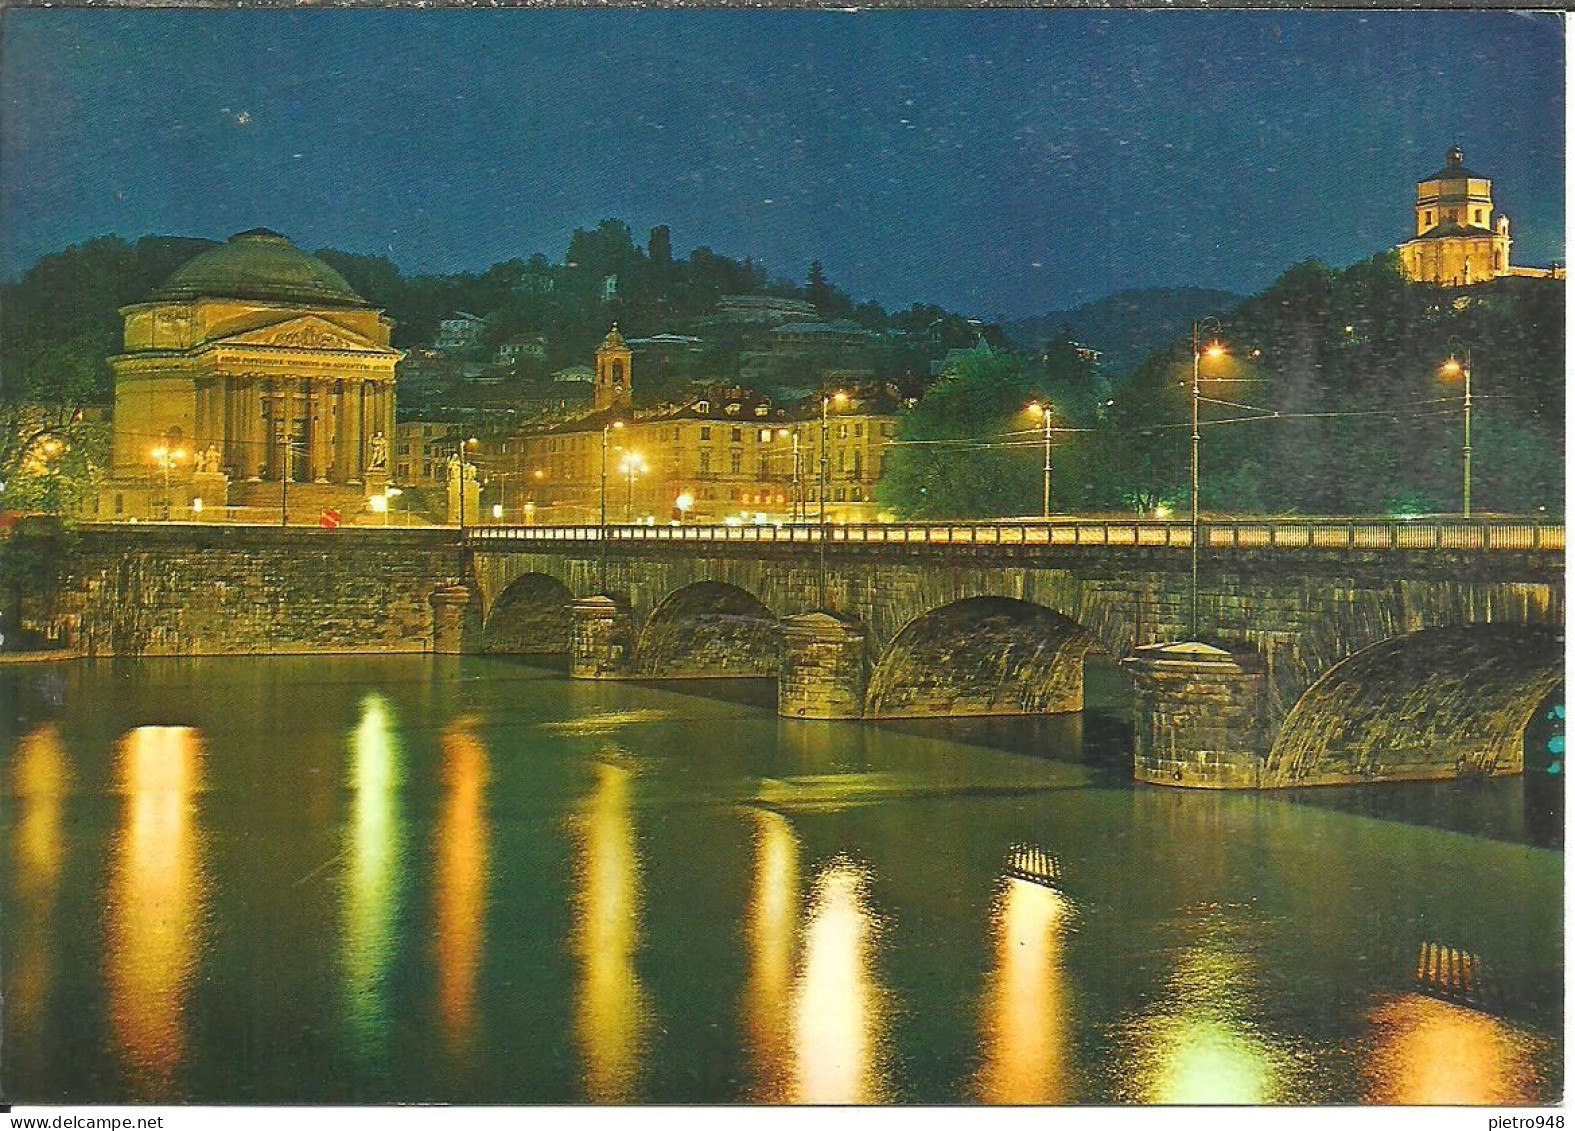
263, 266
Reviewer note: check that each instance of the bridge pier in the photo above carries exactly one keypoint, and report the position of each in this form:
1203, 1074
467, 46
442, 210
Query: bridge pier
601, 639
822, 673
448, 618
1199, 716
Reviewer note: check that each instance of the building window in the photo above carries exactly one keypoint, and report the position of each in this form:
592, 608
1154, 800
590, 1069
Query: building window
120, 504
738, 462
765, 467
885, 428
858, 495
705, 461
703, 407
842, 431
858, 464
1479, 215
738, 435
1429, 220
765, 435
858, 428
705, 432
842, 495
842, 460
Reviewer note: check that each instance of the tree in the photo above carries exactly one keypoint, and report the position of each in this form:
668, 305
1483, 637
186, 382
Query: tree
967, 450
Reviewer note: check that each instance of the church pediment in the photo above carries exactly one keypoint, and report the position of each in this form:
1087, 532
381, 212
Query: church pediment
306, 333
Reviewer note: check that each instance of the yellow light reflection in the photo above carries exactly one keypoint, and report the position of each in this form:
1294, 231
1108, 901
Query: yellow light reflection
372, 881
611, 1014
154, 903
773, 922
460, 883
1025, 1004
1202, 1047
40, 780
838, 1023
1434, 1052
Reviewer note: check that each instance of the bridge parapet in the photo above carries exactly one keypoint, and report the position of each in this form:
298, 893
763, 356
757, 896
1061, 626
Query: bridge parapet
1488, 535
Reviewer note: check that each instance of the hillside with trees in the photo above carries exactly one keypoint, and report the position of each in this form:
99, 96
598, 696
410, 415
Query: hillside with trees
1124, 326
1328, 399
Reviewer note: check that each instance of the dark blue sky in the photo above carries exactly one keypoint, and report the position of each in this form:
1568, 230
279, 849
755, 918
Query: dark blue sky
995, 162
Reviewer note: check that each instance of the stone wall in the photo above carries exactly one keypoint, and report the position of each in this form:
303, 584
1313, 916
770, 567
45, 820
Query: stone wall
216, 590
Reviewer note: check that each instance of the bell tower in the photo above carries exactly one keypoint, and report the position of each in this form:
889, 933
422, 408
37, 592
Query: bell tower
614, 385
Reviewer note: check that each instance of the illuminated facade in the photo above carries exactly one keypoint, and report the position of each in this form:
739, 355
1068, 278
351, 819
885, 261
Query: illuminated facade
253, 363
1458, 241
723, 456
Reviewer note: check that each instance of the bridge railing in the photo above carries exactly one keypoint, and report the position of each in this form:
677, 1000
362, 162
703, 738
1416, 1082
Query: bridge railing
1486, 534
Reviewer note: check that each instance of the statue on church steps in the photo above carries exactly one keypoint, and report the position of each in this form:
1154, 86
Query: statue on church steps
379, 459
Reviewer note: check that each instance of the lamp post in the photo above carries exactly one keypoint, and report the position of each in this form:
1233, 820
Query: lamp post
459, 453
167, 457
1461, 365
631, 465
1199, 351
798, 482
607, 430
1044, 411
825, 476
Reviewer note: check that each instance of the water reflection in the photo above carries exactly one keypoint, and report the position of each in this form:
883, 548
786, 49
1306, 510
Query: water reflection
460, 882
155, 904
838, 1022
611, 1010
374, 850
1202, 1047
773, 926
41, 777
1428, 1051
1025, 1004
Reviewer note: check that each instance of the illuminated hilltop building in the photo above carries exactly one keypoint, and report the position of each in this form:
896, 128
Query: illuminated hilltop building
1458, 240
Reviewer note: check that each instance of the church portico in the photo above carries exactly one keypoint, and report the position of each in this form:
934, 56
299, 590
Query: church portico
255, 365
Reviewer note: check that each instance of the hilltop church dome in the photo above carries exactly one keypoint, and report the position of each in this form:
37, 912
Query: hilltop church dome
262, 266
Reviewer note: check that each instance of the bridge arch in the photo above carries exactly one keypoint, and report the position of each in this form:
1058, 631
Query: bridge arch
531, 615
1437, 703
981, 656
708, 628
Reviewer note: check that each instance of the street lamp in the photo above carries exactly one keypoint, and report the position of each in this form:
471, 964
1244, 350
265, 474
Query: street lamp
459, 454
826, 399
607, 430
1044, 410
1460, 366
683, 505
166, 457
1212, 349
631, 466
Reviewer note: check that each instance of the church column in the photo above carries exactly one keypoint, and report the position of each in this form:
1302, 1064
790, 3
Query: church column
388, 418
338, 393
254, 445
354, 440
285, 432
322, 428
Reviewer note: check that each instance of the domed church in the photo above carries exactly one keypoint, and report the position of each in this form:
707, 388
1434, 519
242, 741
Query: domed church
254, 364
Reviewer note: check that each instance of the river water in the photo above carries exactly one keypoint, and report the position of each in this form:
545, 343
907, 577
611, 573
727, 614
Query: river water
360, 879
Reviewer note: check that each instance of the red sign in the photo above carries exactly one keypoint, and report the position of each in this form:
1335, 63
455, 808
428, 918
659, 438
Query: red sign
329, 520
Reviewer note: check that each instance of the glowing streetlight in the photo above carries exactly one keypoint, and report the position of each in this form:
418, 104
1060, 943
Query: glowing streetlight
1045, 411
826, 400
607, 431
684, 504
1459, 365
1213, 350
166, 457
631, 465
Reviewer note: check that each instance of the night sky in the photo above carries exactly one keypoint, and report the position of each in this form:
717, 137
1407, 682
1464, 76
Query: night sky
998, 163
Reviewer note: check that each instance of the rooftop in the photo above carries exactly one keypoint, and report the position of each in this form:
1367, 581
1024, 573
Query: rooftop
261, 265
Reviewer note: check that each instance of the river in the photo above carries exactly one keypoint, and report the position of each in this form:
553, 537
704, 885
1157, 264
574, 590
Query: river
379, 879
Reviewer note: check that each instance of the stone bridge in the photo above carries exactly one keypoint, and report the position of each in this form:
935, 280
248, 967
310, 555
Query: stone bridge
1326, 651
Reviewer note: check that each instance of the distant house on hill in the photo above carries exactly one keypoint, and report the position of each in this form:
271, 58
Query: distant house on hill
460, 331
